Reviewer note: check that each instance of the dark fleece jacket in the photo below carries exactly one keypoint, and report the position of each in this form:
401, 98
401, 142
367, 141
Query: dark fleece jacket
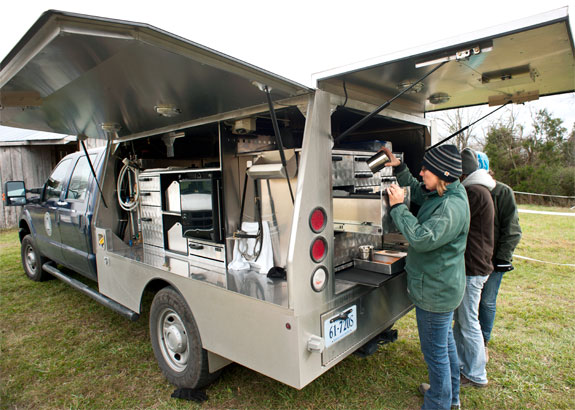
480, 240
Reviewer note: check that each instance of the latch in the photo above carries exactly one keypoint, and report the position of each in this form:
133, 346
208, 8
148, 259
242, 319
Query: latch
315, 344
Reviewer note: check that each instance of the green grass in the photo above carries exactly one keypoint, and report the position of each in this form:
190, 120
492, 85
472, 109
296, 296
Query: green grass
60, 349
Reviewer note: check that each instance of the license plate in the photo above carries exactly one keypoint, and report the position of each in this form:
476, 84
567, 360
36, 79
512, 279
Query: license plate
339, 326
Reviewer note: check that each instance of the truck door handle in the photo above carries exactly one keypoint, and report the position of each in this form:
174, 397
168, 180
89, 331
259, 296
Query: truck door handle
61, 203
336, 158
196, 246
146, 219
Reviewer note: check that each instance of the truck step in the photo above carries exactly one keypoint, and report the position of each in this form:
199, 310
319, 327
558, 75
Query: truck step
97, 296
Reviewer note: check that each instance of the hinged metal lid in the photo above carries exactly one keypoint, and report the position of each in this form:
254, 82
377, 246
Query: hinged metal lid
519, 61
76, 74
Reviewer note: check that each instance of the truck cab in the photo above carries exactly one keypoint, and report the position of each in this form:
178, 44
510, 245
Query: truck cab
57, 223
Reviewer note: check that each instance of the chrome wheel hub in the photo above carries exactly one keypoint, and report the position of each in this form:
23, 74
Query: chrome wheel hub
173, 339
30, 258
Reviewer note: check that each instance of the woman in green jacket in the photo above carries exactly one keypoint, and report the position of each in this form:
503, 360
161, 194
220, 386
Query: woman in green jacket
435, 262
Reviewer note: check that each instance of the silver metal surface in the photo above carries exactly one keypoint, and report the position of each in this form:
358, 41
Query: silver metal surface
364, 211
149, 182
176, 240
206, 250
346, 246
150, 198
153, 256
256, 285
313, 190
350, 169
152, 226
379, 267
377, 310
93, 71
543, 43
172, 195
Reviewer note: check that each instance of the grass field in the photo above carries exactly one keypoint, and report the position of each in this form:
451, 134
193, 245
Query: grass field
60, 349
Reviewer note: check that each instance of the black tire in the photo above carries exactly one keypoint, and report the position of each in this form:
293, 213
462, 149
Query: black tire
176, 341
32, 260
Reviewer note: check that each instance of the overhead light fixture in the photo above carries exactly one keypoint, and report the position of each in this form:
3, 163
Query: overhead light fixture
261, 86
167, 110
458, 55
439, 98
406, 84
110, 127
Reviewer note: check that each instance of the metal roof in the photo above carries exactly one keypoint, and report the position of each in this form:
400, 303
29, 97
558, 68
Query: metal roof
19, 136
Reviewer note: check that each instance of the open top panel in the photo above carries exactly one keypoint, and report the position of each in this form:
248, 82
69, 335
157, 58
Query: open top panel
518, 61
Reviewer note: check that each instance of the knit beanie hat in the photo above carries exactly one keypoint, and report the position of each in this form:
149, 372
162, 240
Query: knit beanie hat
483, 160
469, 162
444, 161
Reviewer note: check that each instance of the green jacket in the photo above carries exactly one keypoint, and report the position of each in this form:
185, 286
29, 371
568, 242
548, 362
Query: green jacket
437, 237
507, 229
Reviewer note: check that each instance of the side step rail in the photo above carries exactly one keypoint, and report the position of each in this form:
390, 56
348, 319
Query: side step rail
97, 296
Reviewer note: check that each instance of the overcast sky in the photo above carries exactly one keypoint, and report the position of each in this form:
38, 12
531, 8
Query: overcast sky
297, 38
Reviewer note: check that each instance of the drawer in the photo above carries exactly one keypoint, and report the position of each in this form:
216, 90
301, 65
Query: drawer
150, 199
149, 182
216, 252
152, 232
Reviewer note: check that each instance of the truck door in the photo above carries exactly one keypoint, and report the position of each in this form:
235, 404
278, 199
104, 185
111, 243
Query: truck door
45, 218
75, 214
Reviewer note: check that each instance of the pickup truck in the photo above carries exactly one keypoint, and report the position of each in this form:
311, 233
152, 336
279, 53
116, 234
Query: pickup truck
56, 224
208, 156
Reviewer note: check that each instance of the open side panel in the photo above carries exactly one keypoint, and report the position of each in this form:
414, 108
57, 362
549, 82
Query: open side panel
520, 61
72, 73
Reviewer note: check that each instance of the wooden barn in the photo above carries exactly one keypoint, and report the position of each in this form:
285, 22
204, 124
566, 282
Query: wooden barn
29, 156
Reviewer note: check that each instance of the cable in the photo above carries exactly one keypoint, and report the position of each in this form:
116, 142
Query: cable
537, 260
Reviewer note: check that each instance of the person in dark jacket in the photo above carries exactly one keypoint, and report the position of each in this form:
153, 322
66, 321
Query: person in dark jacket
435, 262
507, 234
478, 253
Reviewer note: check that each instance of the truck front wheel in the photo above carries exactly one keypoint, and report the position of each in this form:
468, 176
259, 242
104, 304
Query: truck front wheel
32, 260
176, 341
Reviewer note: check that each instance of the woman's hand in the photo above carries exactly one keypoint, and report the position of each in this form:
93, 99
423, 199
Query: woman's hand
393, 161
396, 195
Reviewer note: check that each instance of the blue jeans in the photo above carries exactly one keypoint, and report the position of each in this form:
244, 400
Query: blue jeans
488, 304
438, 348
467, 332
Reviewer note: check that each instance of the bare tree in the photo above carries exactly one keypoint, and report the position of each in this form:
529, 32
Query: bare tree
454, 120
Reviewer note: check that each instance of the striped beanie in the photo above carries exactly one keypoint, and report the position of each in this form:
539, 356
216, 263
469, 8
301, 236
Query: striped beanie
444, 161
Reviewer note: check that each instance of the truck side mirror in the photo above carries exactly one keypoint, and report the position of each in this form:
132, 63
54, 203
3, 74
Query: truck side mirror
14, 193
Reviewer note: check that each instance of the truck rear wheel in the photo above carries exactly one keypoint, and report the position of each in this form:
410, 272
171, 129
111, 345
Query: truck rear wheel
176, 341
32, 260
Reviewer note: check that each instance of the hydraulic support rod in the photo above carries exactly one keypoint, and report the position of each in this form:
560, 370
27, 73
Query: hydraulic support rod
278, 139
384, 105
93, 172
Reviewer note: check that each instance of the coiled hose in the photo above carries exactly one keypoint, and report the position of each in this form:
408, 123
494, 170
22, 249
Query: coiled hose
132, 201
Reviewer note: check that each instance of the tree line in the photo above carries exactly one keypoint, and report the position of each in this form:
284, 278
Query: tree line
541, 161
538, 160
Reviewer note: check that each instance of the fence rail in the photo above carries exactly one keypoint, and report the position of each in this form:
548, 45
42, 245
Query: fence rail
545, 199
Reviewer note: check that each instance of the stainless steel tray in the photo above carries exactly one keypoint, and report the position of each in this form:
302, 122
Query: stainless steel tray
379, 267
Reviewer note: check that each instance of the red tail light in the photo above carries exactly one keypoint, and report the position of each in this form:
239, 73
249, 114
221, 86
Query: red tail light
318, 249
317, 220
